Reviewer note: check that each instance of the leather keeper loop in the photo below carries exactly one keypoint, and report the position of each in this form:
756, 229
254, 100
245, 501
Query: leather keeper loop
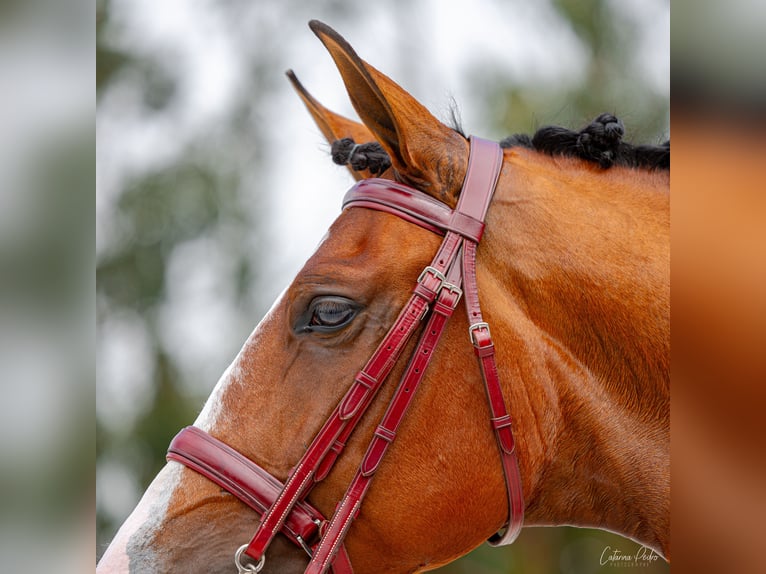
374, 455
444, 310
326, 465
483, 352
466, 226
355, 397
366, 379
384, 433
501, 422
505, 439
424, 292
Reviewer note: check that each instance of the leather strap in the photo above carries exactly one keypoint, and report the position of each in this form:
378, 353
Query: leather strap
250, 483
385, 433
484, 167
499, 417
484, 164
240, 476
413, 206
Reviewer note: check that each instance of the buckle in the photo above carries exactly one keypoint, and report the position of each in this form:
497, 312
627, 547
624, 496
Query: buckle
454, 289
305, 546
247, 567
475, 327
436, 273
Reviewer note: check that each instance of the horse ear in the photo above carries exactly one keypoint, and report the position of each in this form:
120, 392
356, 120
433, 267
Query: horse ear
417, 142
335, 126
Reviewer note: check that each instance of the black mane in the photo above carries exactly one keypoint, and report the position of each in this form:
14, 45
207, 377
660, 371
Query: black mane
599, 142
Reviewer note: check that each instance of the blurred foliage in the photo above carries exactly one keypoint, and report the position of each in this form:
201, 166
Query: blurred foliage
201, 189
609, 83
197, 194
47, 193
43, 297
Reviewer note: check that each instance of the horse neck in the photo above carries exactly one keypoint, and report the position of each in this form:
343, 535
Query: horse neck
582, 256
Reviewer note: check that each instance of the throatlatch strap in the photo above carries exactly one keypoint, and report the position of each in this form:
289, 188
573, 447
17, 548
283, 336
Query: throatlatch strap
499, 417
483, 172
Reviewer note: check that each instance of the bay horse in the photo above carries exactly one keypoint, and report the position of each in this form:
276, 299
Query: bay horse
572, 271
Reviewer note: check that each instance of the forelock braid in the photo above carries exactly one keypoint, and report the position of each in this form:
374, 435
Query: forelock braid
370, 155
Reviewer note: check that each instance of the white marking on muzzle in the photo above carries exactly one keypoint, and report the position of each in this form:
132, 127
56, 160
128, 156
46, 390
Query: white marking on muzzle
133, 541
142, 523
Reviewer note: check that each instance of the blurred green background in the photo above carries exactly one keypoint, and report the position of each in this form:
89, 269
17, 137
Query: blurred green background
47, 327
199, 136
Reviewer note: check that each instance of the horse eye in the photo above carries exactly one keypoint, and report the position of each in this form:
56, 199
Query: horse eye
328, 314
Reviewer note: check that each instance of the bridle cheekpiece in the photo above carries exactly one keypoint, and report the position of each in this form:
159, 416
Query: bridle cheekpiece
450, 276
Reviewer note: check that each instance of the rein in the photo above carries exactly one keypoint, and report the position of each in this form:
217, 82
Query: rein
451, 274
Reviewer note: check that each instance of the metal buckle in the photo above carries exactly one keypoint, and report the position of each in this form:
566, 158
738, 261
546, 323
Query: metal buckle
436, 273
476, 327
454, 288
305, 546
247, 568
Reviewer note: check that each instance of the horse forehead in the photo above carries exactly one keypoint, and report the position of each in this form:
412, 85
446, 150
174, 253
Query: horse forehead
213, 413
360, 233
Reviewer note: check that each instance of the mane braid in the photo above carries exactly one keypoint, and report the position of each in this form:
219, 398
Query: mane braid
599, 142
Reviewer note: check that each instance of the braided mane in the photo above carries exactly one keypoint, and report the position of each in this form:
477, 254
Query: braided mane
599, 142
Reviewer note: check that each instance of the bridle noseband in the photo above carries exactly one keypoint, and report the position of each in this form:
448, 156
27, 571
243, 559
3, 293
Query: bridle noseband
451, 274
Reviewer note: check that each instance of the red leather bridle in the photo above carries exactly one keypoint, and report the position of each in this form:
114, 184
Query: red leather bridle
451, 274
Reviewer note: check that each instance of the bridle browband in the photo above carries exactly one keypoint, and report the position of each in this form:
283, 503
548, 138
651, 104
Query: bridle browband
451, 274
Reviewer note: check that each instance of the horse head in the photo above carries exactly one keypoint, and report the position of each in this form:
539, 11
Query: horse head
573, 272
